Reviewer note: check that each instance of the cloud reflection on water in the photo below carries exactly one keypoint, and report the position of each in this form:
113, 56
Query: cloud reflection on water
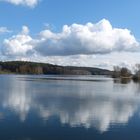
86, 104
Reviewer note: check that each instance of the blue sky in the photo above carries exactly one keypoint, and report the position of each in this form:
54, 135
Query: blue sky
121, 13
38, 16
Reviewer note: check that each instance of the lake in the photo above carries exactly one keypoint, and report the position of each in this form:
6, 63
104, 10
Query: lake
68, 108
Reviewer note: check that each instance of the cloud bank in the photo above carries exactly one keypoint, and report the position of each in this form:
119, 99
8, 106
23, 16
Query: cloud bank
76, 44
99, 38
29, 3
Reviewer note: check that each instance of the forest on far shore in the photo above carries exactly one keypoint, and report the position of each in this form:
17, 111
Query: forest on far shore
23, 67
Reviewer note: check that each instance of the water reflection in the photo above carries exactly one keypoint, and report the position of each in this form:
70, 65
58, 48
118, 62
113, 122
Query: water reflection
122, 80
83, 103
17, 98
92, 113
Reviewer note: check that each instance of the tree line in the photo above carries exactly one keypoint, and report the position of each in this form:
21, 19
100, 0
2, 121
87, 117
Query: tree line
24, 67
123, 72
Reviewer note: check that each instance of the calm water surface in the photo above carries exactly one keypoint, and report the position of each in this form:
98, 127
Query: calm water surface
68, 108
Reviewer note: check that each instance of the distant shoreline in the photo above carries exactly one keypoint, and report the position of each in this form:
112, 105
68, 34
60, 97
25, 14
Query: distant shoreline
24, 67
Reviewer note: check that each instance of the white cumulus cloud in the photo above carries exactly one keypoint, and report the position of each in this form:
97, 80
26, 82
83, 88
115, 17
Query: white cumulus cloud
17, 45
99, 38
29, 3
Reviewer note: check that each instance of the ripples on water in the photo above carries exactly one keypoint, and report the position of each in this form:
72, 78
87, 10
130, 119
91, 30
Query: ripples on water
68, 107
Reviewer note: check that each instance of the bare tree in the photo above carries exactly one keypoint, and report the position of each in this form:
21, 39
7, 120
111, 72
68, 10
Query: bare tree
136, 76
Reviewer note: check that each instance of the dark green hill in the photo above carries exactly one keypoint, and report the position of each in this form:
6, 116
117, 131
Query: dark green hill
23, 67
